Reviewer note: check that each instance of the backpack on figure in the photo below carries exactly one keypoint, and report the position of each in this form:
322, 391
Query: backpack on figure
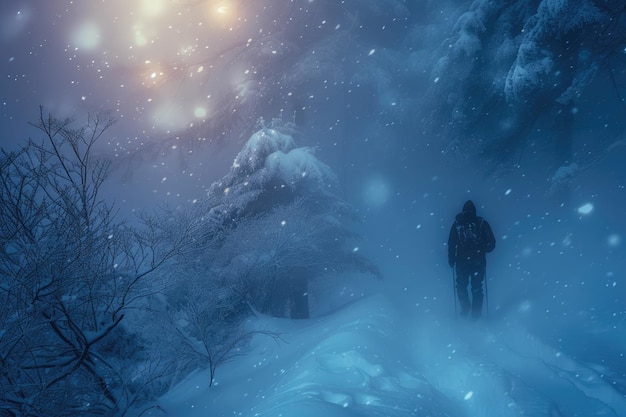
470, 237
469, 233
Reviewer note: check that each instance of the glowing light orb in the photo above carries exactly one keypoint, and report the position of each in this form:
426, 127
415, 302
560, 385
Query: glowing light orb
86, 36
200, 112
169, 116
222, 13
376, 192
151, 8
585, 209
524, 306
140, 38
614, 239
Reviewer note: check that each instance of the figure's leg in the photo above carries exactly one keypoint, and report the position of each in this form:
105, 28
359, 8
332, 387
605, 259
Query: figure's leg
462, 280
478, 275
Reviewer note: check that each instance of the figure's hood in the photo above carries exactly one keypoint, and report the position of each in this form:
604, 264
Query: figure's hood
469, 208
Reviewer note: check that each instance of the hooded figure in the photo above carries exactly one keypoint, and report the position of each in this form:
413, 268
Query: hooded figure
470, 239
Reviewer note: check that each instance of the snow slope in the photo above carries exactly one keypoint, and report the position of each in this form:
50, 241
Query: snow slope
373, 358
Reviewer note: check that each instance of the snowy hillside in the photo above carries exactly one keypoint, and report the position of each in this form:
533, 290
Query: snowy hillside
374, 359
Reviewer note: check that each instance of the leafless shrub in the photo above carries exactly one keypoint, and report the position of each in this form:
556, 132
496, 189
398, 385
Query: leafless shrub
68, 275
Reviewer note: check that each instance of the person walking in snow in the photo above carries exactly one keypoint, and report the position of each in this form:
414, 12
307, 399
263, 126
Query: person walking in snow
470, 239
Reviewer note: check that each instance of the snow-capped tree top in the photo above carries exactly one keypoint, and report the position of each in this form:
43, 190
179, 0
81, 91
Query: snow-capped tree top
260, 145
299, 166
268, 164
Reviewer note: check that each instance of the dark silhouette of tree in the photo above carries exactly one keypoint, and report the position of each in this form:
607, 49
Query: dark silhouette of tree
513, 66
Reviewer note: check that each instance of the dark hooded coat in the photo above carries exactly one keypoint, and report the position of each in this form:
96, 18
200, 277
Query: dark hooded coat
475, 255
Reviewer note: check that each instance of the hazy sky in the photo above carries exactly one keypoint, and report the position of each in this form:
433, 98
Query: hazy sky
149, 62
172, 72
169, 71
177, 74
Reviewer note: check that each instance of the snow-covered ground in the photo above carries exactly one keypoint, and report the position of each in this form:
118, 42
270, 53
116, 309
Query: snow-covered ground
376, 357
552, 342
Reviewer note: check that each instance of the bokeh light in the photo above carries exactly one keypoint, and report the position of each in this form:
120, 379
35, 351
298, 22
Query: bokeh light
86, 36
